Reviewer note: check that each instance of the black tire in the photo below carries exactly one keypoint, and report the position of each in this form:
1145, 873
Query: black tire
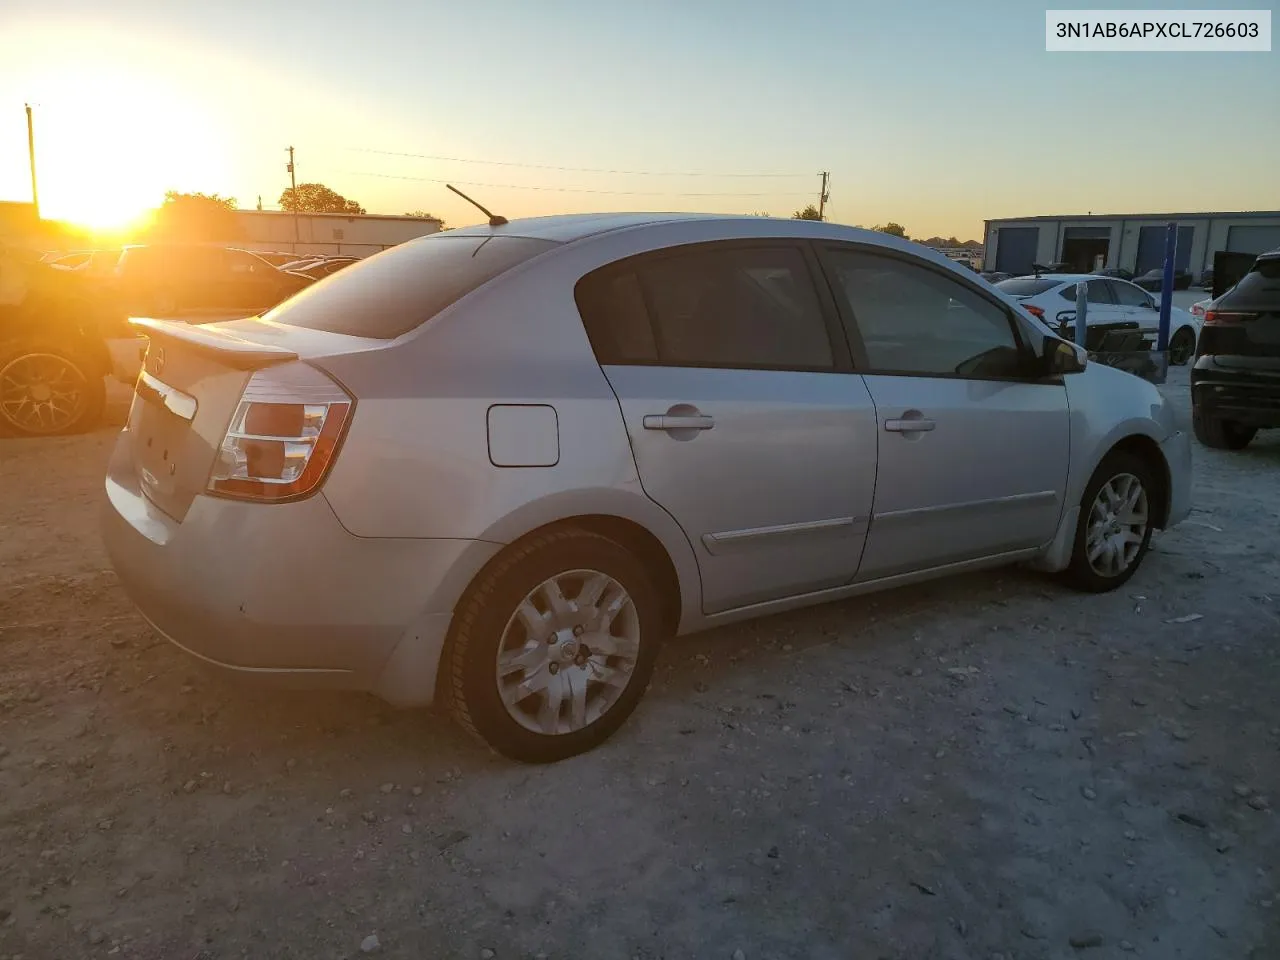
1081, 572
1221, 434
88, 407
471, 655
1182, 347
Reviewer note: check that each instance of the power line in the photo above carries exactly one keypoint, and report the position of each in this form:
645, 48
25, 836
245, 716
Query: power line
545, 166
519, 186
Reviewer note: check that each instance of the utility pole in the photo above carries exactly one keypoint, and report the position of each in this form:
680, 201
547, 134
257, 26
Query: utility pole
293, 183
823, 196
31, 154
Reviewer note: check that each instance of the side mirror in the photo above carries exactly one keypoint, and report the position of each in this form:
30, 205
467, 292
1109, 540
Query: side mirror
1060, 357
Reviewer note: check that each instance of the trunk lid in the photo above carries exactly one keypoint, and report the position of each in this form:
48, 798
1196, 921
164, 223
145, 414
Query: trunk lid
190, 385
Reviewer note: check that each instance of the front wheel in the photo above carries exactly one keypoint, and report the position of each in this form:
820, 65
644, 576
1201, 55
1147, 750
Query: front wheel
554, 646
1114, 530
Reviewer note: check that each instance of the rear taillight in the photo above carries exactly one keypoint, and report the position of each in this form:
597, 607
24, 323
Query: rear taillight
1036, 312
1226, 318
1197, 310
284, 435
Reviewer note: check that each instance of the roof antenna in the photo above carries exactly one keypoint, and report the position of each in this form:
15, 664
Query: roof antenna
494, 219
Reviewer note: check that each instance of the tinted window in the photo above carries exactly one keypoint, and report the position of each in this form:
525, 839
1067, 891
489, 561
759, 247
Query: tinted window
1127, 295
1026, 286
240, 262
1260, 287
915, 320
1099, 292
724, 307
395, 291
617, 320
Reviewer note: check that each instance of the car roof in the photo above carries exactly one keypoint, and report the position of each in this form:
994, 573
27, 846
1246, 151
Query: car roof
565, 228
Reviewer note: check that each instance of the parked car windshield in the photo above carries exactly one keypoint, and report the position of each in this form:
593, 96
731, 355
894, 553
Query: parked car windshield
391, 293
1026, 286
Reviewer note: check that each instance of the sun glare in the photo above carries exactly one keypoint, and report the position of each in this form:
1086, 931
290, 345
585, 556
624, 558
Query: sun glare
110, 143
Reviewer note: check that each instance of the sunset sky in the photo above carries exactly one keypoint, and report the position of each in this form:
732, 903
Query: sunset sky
936, 115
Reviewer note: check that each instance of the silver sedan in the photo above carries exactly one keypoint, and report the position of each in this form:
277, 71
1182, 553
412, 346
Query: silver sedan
500, 465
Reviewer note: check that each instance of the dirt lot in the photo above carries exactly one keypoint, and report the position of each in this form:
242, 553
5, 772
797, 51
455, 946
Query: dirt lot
986, 767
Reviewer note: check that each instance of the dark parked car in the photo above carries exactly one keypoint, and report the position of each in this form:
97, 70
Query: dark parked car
1153, 279
1235, 383
1206, 280
164, 280
1120, 273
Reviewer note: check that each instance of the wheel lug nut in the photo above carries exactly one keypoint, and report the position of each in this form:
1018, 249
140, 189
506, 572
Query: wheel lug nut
578, 631
554, 668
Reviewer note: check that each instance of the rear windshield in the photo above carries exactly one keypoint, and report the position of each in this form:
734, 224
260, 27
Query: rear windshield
1262, 281
394, 291
1026, 286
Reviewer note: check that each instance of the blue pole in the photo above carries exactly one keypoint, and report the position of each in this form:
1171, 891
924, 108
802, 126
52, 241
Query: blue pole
1166, 287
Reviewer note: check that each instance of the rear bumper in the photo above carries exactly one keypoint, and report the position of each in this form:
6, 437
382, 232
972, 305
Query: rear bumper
126, 355
1248, 397
283, 593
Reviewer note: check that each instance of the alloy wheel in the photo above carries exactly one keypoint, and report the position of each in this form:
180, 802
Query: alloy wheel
568, 652
42, 393
1117, 525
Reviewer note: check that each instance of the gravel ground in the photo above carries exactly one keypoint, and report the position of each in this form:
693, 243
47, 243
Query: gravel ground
986, 767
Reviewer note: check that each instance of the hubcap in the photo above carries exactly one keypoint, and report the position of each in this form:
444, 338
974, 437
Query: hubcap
41, 392
568, 652
1117, 525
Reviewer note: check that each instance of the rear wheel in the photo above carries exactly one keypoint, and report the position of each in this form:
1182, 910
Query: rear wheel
554, 646
1221, 434
48, 389
1182, 346
1114, 530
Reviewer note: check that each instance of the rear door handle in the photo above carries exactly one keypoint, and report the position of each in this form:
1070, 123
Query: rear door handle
909, 426
667, 421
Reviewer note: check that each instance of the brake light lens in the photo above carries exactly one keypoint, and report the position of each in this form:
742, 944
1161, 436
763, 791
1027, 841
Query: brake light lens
1197, 310
1036, 312
283, 437
1225, 318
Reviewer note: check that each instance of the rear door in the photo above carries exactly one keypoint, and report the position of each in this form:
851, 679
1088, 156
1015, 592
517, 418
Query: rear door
746, 421
973, 453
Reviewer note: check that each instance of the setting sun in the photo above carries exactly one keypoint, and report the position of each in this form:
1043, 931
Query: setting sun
109, 143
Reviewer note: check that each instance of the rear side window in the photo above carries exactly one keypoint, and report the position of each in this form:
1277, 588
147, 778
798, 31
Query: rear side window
732, 307
1099, 292
1026, 286
395, 291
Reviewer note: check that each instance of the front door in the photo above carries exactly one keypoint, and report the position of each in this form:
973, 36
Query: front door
746, 423
973, 454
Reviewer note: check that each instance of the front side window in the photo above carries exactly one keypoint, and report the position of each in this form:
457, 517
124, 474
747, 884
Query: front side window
1127, 295
733, 307
915, 320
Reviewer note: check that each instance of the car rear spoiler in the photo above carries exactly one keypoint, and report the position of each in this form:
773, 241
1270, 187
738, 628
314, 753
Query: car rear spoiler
233, 351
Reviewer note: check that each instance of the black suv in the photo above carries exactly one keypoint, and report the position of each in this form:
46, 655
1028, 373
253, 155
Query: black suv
1235, 383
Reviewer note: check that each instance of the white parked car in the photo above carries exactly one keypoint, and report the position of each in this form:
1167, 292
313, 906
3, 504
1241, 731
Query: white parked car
1052, 298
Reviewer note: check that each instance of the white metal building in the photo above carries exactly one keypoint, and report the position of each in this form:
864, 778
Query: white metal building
328, 233
1129, 241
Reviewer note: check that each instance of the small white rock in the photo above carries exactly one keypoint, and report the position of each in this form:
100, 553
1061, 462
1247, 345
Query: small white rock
370, 943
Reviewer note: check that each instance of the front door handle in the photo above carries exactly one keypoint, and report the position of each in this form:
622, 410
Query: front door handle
667, 421
919, 425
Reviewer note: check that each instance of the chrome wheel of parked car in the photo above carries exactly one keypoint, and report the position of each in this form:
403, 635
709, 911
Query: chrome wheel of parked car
568, 652
1117, 525
43, 393
554, 645
1182, 347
